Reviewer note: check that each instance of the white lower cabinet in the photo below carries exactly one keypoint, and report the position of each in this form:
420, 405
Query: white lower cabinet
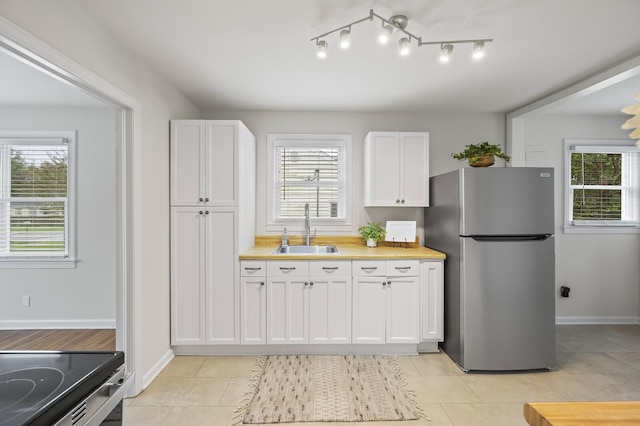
253, 296
204, 295
341, 302
432, 300
330, 302
386, 301
308, 302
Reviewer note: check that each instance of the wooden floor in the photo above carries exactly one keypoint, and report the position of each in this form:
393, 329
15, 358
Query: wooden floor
58, 340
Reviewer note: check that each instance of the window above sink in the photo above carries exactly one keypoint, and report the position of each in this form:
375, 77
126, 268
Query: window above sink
308, 168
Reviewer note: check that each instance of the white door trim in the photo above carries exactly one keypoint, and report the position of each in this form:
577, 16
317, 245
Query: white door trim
32, 51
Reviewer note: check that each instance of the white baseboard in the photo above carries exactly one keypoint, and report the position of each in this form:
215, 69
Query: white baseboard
322, 349
56, 324
597, 320
157, 368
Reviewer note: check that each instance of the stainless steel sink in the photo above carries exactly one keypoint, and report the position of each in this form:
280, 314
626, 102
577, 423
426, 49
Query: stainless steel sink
307, 250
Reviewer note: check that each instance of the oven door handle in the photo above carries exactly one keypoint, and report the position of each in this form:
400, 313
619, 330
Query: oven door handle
117, 392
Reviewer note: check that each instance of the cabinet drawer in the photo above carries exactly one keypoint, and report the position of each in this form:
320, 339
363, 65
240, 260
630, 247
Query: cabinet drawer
320, 268
369, 268
253, 268
288, 268
403, 267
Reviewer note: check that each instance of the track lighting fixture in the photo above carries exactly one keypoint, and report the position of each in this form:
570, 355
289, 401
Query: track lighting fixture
398, 23
345, 39
445, 52
322, 49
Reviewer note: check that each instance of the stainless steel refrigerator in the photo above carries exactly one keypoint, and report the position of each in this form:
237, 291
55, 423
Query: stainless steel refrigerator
496, 227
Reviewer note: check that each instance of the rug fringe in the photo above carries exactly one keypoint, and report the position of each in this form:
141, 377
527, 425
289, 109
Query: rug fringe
254, 378
413, 397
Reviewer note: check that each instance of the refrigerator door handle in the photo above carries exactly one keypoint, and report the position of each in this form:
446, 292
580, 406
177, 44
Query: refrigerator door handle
500, 238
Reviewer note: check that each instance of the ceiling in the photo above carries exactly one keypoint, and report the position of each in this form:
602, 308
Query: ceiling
256, 54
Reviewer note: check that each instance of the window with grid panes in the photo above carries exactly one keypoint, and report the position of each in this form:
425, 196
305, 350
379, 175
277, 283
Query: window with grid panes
34, 197
603, 184
309, 169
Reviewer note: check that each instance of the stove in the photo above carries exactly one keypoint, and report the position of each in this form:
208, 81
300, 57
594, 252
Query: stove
60, 388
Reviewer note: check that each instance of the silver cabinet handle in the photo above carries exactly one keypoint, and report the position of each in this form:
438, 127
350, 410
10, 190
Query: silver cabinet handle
329, 268
252, 269
289, 269
368, 268
403, 268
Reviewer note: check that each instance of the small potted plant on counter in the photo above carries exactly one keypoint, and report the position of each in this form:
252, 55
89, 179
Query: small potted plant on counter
481, 155
372, 233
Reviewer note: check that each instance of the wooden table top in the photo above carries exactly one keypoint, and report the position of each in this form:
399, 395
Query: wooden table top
616, 413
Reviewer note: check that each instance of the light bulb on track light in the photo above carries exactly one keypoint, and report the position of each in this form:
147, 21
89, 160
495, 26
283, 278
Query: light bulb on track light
385, 34
445, 52
478, 50
404, 46
322, 49
345, 39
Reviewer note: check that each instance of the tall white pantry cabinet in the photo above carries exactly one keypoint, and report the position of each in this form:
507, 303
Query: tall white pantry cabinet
212, 221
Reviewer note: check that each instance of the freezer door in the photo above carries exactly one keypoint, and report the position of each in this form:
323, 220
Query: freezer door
506, 201
508, 304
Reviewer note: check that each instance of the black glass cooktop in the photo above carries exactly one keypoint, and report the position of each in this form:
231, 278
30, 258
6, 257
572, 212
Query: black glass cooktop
37, 388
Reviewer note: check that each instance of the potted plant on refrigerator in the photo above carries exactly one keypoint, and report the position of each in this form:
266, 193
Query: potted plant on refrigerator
481, 155
372, 233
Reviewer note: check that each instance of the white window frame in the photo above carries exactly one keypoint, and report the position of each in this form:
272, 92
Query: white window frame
275, 140
604, 146
49, 137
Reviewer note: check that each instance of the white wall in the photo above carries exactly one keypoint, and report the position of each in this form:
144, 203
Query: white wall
83, 297
64, 25
602, 270
448, 132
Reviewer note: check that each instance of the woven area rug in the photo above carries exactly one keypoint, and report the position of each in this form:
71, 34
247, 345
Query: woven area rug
306, 388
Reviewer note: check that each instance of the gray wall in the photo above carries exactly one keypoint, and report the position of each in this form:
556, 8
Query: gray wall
82, 297
602, 269
448, 132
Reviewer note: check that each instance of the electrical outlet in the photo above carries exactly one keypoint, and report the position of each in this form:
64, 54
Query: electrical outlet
26, 301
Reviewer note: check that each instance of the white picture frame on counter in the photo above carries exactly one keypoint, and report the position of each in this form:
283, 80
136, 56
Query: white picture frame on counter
401, 231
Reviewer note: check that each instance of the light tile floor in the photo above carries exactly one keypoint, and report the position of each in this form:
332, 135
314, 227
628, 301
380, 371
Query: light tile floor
595, 363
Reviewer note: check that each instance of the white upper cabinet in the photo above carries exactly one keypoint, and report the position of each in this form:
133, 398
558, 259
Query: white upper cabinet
188, 161
205, 162
396, 169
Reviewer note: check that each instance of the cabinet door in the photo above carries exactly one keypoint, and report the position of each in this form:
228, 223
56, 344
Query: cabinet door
253, 296
369, 310
403, 319
432, 301
223, 268
222, 163
187, 276
330, 309
381, 167
414, 169
188, 158
287, 310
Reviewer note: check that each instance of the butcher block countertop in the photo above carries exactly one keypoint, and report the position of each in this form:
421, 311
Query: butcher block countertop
582, 413
351, 247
